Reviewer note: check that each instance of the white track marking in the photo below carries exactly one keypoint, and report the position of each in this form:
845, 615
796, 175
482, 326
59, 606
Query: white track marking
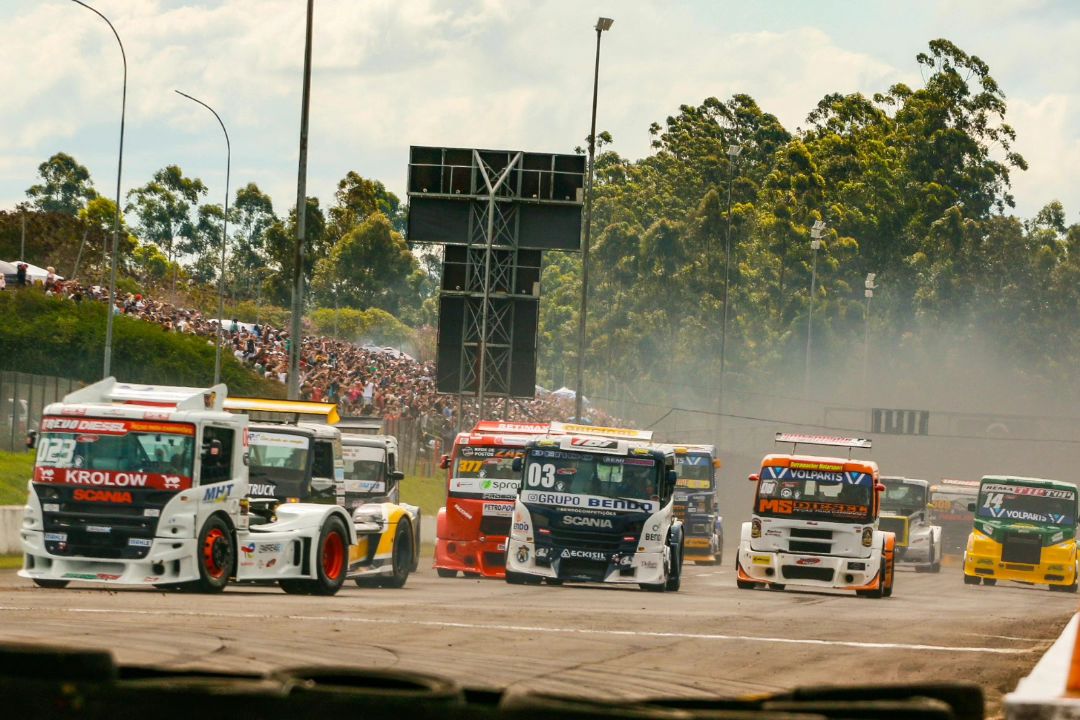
529, 628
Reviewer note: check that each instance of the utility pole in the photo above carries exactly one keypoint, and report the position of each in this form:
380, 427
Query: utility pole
295, 339
816, 233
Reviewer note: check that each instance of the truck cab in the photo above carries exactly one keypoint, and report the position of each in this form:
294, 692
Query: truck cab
1024, 531
814, 523
696, 502
371, 473
949, 499
481, 484
596, 509
148, 485
905, 512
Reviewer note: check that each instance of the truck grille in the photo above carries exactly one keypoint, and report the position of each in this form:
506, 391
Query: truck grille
82, 524
803, 572
585, 539
494, 525
1024, 549
898, 525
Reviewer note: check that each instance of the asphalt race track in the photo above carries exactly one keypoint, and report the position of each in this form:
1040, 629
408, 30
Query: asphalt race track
709, 638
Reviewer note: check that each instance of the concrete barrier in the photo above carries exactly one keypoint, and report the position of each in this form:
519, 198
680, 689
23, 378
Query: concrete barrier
10, 522
1044, 694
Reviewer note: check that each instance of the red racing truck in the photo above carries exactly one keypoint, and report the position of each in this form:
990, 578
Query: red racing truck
481, 487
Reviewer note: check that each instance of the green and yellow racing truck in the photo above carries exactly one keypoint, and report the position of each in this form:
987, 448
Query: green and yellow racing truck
1025, 531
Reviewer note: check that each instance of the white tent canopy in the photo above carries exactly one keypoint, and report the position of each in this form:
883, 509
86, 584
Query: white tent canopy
35, 273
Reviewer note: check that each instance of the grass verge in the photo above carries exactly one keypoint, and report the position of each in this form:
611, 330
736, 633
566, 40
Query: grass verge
15, 469
427, 492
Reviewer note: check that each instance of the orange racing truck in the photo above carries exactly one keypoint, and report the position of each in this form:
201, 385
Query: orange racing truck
815, 523
481, 486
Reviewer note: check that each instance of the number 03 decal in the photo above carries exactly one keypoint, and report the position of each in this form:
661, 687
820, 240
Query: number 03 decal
541, 475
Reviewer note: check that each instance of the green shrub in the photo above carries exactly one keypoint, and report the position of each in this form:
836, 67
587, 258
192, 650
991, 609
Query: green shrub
361, 326
51, 336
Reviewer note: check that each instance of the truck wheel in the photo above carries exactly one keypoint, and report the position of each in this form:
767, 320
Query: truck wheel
972, 579
333, 560
445, 573
51, 584
989, 581
776, 586
521, 579
674, 580
216, 556
401, 560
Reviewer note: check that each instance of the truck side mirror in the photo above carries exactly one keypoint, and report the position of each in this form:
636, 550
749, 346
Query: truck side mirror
717, 463
672, 478
31, 439
754, 478
397, 476
444, 463
879, 487
516, 465
971, 507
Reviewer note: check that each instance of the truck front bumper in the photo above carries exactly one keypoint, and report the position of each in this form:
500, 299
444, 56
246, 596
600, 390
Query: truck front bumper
824, 571
170, 560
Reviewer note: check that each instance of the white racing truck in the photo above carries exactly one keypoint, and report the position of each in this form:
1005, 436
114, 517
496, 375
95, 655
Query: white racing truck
594, 509
905, 512
814, 523
148, 485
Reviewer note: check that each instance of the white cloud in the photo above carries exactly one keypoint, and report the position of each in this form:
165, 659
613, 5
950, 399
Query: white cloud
1048, 138
390, 73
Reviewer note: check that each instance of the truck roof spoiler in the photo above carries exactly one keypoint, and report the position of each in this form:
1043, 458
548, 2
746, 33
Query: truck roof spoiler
109, 391
560, 428
797, 439
284, 411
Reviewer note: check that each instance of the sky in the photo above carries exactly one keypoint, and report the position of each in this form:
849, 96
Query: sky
497, 74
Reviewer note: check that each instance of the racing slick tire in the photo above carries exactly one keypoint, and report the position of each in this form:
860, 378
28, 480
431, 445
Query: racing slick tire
989, 581
776, 586
972, 579
216, 557
446, 573
51, 584
885, 586
553, 581
401, 560
331, 566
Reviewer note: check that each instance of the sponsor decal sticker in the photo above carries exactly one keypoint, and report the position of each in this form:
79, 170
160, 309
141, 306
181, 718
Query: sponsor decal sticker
269, 548
248, 549
217, 493
573, 553
523, 554
592, 522
107, 496
103, 529
762, 560
50, 507
140, 542
261, 489
55, 537
463, 512
653, 537
498, 509
808, 561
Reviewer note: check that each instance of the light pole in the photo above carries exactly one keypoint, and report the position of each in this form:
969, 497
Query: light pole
296, 341
733, 154
116, 219
602, 24
224, 238
816, 232
870, 286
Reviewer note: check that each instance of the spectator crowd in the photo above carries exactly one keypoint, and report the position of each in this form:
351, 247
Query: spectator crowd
360, 380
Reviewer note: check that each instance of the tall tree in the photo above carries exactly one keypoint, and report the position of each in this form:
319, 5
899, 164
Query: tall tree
164, 208
65, 186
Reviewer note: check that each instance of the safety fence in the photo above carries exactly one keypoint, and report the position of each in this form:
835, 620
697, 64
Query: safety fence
23, 398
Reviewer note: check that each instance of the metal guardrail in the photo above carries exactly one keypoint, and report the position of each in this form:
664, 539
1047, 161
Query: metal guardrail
23, 398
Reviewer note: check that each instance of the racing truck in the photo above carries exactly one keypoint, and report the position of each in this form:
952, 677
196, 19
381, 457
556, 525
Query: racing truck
481, 485
815, 522
949, 500
1024, 531
148, 485
595, 509
388, 533
905, 512
696, 502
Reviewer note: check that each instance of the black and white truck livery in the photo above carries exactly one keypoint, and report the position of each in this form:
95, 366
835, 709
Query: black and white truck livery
595, 509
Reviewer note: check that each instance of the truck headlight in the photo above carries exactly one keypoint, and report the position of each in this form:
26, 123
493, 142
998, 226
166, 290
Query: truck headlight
755, 528
868, 536
369, 514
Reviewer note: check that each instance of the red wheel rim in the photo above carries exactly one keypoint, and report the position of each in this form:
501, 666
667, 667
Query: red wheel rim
215, 553
333, 555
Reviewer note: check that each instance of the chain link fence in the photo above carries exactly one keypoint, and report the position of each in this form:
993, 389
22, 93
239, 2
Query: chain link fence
23, 398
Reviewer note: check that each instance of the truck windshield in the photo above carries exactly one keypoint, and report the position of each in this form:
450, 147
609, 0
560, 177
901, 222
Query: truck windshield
695, 471
828, 495
486, 462
903, 498
635, 478
278, 464
114, 452
1025, 503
